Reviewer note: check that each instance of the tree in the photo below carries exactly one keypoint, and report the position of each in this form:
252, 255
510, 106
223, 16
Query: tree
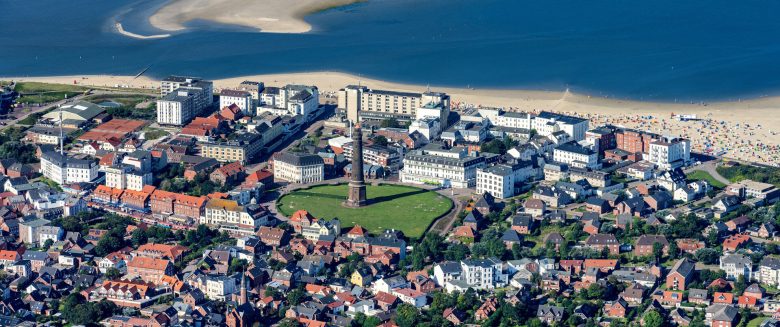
390, 122
48, 243
653, 319
406, 315
380, 140
658, 250
296, 296
138, 237
708, 256
113, 273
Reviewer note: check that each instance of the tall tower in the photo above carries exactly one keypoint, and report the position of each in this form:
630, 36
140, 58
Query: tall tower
242, 295
357, 185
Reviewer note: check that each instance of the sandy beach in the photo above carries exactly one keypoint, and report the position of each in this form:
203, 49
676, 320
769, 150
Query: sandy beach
746, 130
121, 30
271, 16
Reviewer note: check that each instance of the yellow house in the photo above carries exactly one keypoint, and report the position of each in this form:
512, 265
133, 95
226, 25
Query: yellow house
361, 277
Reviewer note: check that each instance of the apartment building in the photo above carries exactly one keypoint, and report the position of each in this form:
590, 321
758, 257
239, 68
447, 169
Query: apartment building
298, 167
547, 123
434, 164
66, 170
242, 99
576, 155
295, 99
736, 265
670, 153
229, 216
375, 155
769, 271
204, 90
357, 100
483, 273
243, 148
177, 108
150, 270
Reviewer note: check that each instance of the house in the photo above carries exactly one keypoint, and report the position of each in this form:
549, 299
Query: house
734, 242
599, 242
659, 200
522, 223
698, 296
723, 298
486, 309
645, 245
603, 265
680, 275
150, 269
754, 291
410, 296
633, 295
454, 316
535, 207
726, 204
689, 245
161, 251
597, 205
721, 315
361, 277
736, 265
738, 224
271, 236
510, 238
615, 309
554, 238
550, 314
230, 173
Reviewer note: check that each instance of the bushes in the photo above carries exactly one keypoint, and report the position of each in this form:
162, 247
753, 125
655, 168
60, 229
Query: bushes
760, 174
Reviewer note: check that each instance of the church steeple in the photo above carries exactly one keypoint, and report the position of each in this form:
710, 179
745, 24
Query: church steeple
242, 296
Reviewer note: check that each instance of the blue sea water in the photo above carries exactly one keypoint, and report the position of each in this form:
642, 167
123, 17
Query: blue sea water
662, 50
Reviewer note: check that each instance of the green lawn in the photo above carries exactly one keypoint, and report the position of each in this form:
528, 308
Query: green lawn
756, 321
34, 92
154, 133
703, 175
405, 208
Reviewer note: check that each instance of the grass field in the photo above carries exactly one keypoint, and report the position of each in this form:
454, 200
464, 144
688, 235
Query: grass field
34, 92
756, 321
703, 175
405, 208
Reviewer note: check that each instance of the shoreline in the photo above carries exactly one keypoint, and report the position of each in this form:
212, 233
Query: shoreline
278, 16
747, 129
121, 30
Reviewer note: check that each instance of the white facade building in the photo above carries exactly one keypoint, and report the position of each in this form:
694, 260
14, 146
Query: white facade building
65, 170
670, 153
575, 155
547, 123
176, 108
242, 99
203, 90
483, 273
497, 180
299, 168
446, 167
292, 99
428, 127
380, 104
736, 265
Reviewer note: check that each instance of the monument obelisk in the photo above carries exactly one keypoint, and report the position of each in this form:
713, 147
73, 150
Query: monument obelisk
357, 185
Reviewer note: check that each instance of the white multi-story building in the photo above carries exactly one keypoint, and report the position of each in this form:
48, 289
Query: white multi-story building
229, 216
670, 153
242, 99
736, 265
299, 167
436, 165
497, 180
428, 127
499, 117
575, 155
65, 170
220, 287
769, 271
294, 99
380, 104
126, 177
547, 123
483, 273
203, 90
176, 108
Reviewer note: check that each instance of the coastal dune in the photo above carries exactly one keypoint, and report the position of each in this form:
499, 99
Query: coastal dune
270, 16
